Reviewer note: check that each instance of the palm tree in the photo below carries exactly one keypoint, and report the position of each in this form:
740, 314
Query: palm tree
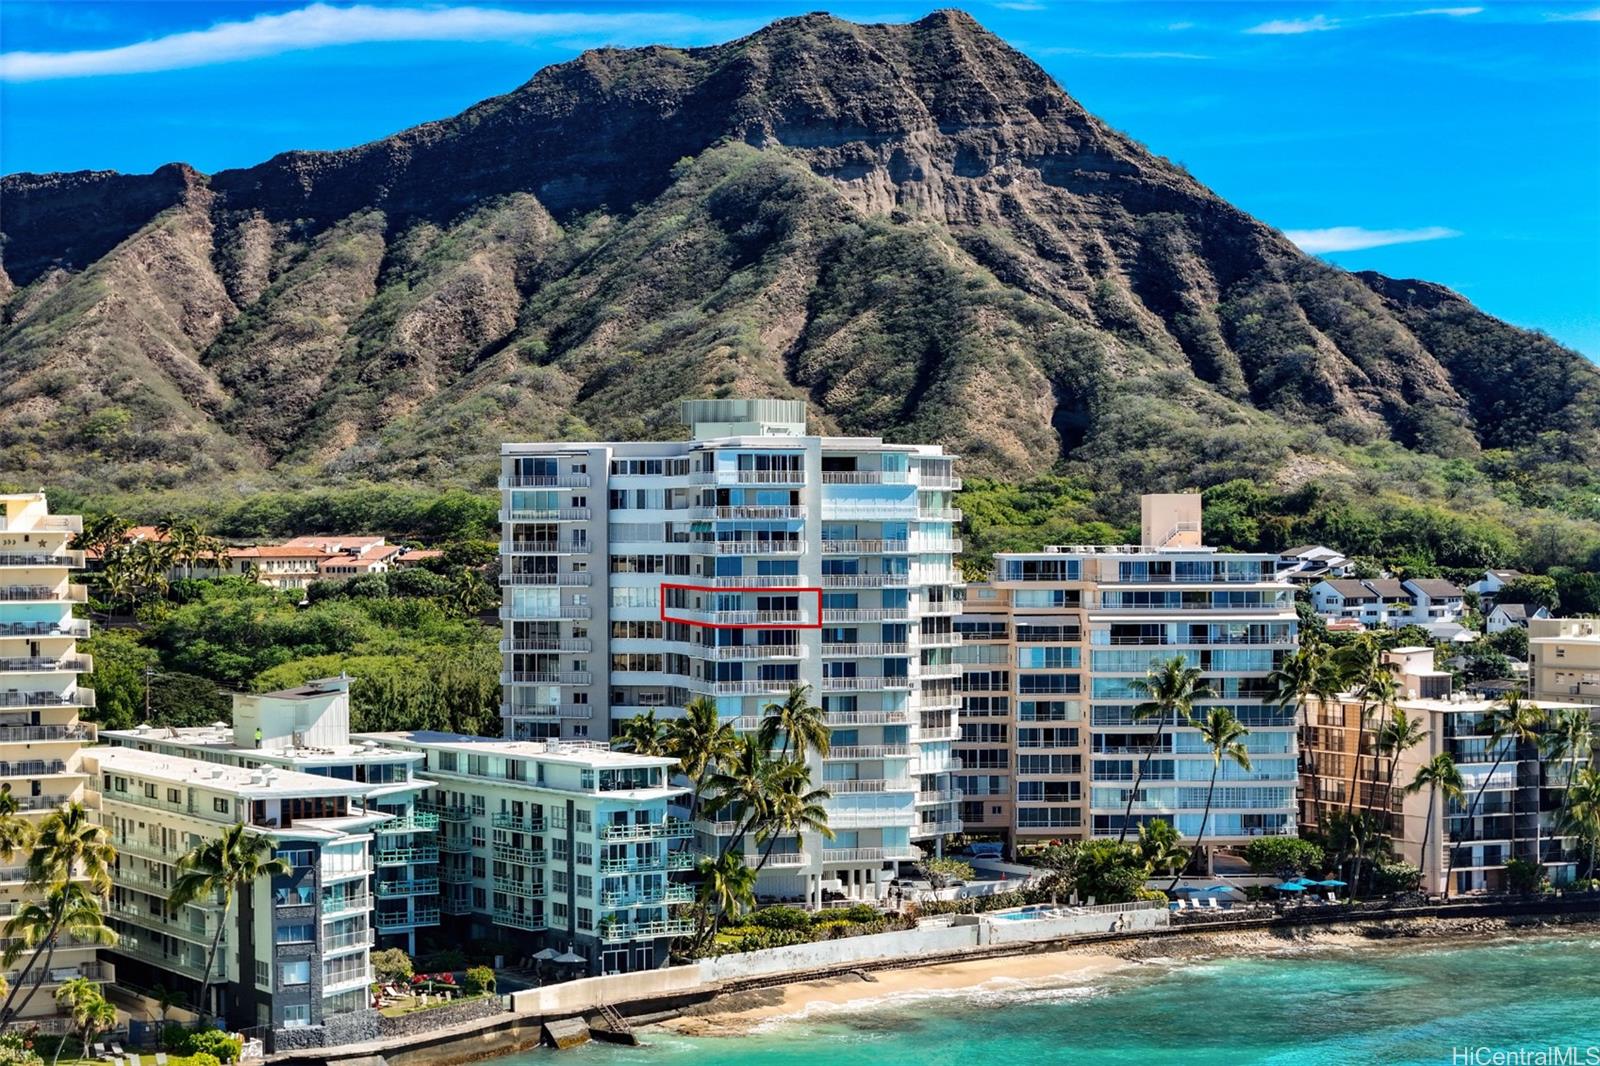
1440, 776
1158, 844
794, 807
1377, 692
1224, 734
1581, 816
1170, 692
183, 537
70, 843
701, 742
745, 786
223, 865
727, 889
101, 532
68, 910
81, 998
1309, 672
16, 832
1570, 738
643, 734
801, 724
1395, 737
1511, 720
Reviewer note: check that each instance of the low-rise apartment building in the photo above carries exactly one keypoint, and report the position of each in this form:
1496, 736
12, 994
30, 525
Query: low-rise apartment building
1564, 659
1517, 816
1080, 625
41, 699
1432, 603
294, 950
557, 843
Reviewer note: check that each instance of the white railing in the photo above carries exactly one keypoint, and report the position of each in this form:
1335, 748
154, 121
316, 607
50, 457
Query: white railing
871, 784
545, 481
869, 751
866, 547
865, 581
568, 580
857, 651
837, 719
865, 683
758, 651
866, 477
757, 547
545, 644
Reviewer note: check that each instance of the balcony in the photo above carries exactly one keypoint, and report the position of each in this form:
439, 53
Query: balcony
78, 697
866, 614
49, 593
940, 735
773, 687
939, 481
548, 712
757, 651
934, 829
941, 607
755, 581
546, 644
44, 733
512, 886
868, 751
554, 677
518, 853
514, 919
839, 855
939, 514
33, 768
943, 796
749, 477
360, 978
871, 784
866, 683
670, 894
149, 949
616, 933
400, 919
544, 481
455, 875
864, 651
421, 822
756, 547
531, 613
846, 719
939, 670
755, 511
671, 829
404, 856
345, 904
865, 581
455, 845
780, 860
77, 627
68, 558
445, 812
939, 640
419, 886
568, 580
546, 514
528, 824
545, 547
866, 477
866, 547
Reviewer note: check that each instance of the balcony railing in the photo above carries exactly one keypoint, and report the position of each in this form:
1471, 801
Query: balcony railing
548, 514
68, 558
871, 784
775, 686
869, 854
546, 547
754, 511
869, 751
514, 919
756, 547
545, 481
421, 886
78, 627
845, 719
525, 856
757, 651
570, 580
405, 856
525, 824
864, 651
512, 886
865, 683
866, 477
344, 904
939, 514
780, 859
548, 711
78, 697
866, 614
615, 933
932, 799
546, 644
445, 812
53, 593
14, 733
865, 581
553, 677
420, 822
546, 613
666, 895
671, 829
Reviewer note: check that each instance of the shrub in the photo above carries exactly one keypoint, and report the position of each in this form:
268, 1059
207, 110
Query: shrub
857, 912
392, 965
175, 1037
216, 1043
1523, 876
204, 1058
478, 979
1283, 856
15, 1050
447, 959
1389, 877
780, 918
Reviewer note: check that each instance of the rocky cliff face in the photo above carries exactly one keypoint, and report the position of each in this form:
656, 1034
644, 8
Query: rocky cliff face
913, 226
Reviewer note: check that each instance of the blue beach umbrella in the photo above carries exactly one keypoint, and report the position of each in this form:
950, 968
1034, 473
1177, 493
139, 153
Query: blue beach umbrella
1331, 883
1290, 886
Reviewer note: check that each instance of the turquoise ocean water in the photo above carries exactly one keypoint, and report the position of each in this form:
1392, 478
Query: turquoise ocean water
1405, 1004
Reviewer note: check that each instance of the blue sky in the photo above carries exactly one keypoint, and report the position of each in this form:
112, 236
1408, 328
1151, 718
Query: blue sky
1458, 143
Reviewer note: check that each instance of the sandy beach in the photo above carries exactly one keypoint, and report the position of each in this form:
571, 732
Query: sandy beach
740, 1012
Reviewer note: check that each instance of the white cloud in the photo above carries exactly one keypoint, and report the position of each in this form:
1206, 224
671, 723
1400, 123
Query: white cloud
1314, 24
320, 25
1019, 5
1449, 12
1354, 238
1591, 15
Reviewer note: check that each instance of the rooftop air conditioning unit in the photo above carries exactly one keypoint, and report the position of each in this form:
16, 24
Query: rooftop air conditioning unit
299, 738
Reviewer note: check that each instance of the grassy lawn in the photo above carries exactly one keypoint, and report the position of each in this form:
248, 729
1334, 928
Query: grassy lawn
148, 1058
414, 1005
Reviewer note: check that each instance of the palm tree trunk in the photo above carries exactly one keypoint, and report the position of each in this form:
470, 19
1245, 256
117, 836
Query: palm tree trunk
1138, 778
1199, 838
44, 971
1306, 749
1471, 813
1427, 827
211, 956
765, 855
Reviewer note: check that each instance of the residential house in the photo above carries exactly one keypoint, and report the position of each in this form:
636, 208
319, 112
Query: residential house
1310, 563
1512, 616
1488, 586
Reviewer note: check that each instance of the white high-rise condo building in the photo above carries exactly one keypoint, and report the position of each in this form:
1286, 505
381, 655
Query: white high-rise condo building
748, 559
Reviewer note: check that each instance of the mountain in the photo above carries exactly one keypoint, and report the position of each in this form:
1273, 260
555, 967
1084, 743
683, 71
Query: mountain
912, 226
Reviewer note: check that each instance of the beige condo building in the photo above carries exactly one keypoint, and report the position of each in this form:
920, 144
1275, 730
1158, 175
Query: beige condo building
1564, 659
41, 737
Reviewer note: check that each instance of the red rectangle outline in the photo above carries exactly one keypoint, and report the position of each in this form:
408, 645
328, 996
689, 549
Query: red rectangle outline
665, 585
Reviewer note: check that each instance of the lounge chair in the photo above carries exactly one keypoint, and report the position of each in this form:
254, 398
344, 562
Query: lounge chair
133, 1059
116, 1049
117, 1061
161, 1058
99, 1049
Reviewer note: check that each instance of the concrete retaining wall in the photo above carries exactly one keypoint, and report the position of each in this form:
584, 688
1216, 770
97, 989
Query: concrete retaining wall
1086, 923
826, 953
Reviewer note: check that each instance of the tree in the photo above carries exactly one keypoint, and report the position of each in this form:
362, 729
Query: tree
643, 734
1107, 871
1534, 590
701, 742
72, 842
100, 532
1224, 736
1523, 877
793, 807
67, 910
1441, 777
392, 966
1582, 814
1159, 845
942, 872
16, 832
1396, 736
744, 787
727, 889
1511, 722
1570, 738
1309, 672
1283, 857
83, 1001
223, 866
799, 721
1169, 692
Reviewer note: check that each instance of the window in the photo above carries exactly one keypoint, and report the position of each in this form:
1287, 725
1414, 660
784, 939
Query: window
174, 796
585, 853
294, 973
149, 791
296, 1015
296, 934
583, 821
221, 806
585, 918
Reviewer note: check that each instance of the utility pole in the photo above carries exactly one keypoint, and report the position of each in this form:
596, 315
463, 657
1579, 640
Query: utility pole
149, 673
